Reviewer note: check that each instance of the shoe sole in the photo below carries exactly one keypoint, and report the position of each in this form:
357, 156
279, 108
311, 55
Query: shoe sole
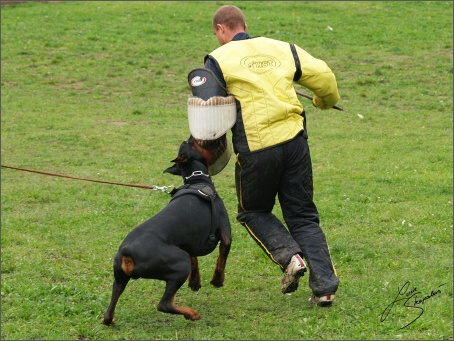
294, 284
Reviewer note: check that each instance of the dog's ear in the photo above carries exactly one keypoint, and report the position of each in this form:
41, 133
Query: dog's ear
175, 170
186, 153
182, 158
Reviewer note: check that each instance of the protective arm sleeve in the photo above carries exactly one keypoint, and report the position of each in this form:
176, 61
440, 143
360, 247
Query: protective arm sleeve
318, 77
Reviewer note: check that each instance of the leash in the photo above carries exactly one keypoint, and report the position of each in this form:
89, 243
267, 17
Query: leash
302, 94
156, 188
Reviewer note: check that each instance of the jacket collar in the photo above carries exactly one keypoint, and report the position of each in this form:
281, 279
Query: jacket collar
241, 36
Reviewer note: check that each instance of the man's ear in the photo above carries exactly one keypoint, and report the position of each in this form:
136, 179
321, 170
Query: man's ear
220, 27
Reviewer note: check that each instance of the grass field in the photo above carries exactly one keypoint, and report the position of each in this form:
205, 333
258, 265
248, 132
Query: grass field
99, 90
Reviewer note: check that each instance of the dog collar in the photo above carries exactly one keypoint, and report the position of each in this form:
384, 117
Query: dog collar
196, 173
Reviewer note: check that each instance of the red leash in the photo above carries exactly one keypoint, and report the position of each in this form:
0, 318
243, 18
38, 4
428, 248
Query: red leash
311, 98
164, 188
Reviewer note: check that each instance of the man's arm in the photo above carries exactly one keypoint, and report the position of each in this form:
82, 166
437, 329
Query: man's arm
212, 64
318, 77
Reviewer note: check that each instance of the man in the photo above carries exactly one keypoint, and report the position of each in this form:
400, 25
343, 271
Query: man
270, 142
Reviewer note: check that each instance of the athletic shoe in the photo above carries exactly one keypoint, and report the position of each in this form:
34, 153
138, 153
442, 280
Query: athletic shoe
294, 271
322, 301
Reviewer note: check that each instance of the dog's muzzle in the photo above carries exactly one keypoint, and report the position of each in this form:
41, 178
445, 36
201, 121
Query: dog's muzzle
222, 151
211, 114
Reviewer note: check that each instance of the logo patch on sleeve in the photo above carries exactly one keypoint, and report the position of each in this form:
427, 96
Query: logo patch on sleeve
198, 81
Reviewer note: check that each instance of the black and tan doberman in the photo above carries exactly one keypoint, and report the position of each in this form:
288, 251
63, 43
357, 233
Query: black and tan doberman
166, 246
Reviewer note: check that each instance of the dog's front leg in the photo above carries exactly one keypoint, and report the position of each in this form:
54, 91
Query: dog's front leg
194, 275
218, 276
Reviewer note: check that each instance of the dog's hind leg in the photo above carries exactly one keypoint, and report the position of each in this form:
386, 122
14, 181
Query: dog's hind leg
123, 267
167, 306
219, 273
177, 273
117, 289
194, 275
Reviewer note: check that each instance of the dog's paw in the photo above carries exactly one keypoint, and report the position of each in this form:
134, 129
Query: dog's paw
108, 322
217, 283
194, 286
218, 279
193, 316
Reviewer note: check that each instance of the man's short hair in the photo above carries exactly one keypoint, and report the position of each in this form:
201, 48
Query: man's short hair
231, 16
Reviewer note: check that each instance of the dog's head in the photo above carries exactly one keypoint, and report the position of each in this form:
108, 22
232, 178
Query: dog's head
191, 155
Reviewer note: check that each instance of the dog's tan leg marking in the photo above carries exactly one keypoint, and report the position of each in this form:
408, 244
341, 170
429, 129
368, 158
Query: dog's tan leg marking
127, 265
188, 313
219, 272
113, 321
194, 275
166, 306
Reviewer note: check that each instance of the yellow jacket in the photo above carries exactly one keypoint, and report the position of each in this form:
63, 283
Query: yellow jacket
259, 73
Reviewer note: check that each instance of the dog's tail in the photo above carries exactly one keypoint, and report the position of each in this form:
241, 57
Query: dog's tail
127, 263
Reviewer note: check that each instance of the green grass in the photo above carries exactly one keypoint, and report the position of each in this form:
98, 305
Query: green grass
99, 90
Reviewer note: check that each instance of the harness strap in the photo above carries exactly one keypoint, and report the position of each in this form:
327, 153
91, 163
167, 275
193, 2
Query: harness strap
204, 191
298, 72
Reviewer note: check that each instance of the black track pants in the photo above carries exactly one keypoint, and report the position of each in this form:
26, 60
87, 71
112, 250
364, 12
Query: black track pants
284, 171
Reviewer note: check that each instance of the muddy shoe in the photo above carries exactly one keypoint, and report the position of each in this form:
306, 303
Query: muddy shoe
294, 271
322, 301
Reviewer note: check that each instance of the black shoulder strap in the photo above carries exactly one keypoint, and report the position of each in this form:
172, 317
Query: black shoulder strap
202, 190
206, 192
298, 72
